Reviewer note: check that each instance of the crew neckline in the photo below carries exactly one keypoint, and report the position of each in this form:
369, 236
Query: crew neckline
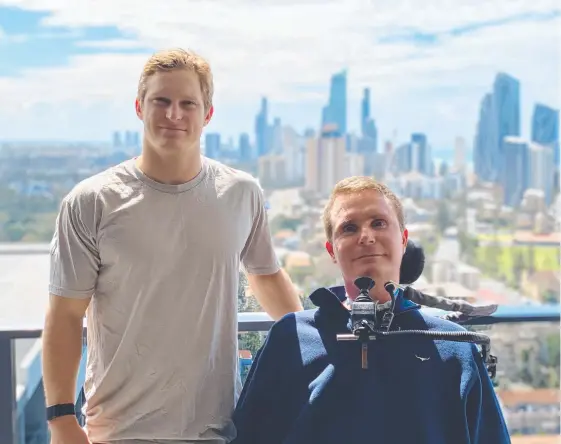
165, 187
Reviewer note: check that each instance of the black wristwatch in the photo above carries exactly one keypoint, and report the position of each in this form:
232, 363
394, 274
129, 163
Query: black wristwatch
58, 410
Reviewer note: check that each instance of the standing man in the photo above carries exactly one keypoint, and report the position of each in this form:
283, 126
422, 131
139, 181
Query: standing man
150, 251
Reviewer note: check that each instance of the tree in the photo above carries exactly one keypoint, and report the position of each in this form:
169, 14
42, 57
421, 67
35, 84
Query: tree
554, 352
518, 267
494, 254
550, 297
242, 298
307, 304
525, 374
250, 340
300, 275
14, 231
281, 222
531, 260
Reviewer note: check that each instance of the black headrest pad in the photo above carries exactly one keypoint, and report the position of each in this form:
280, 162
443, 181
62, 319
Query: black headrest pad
412, 264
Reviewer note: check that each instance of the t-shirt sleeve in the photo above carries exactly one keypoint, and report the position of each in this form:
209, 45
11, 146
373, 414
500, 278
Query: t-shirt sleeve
74, 255
258, 255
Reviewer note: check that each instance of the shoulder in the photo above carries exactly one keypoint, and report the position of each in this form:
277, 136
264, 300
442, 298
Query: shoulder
87, 192
293, 326
463, 351
436, 323
227, 178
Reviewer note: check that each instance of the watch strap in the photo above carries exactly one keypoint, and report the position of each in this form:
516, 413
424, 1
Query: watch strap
58, 410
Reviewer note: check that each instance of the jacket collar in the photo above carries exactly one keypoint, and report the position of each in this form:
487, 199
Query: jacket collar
330, 302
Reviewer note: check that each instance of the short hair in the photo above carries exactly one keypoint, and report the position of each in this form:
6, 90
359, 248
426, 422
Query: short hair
356, 184
177, 58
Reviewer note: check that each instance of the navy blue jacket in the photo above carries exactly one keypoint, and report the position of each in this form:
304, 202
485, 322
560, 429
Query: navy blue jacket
305, 387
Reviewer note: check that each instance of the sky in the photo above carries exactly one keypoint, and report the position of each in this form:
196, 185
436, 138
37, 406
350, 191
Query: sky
69, 68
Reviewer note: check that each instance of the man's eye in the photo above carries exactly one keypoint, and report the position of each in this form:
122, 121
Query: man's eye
348, 228
379, 223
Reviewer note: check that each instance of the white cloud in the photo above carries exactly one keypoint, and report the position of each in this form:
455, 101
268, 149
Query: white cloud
286, 49
110, 44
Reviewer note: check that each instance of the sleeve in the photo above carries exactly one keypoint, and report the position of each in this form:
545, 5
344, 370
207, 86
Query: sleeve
261, 415
258, 255
74, 256
485, 418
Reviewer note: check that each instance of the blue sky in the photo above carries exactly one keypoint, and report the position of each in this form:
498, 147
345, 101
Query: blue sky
29, 45
69, 73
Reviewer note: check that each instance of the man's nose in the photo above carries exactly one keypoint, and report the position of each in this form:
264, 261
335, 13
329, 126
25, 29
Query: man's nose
367, 236
174, 112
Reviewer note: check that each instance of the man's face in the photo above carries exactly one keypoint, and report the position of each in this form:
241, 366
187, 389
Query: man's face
367, 239
173, 110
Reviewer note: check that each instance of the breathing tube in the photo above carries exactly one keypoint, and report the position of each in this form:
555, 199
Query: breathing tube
371, 320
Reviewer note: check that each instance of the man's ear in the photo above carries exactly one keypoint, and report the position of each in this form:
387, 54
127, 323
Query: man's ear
404, 238
138, 108
209, 115
329, 248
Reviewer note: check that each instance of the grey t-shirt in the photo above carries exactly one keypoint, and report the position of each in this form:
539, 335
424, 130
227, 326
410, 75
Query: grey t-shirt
162, 263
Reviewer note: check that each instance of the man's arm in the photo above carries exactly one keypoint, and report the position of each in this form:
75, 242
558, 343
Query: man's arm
62, 348
485, 418
270, 284
275, 293
73, 275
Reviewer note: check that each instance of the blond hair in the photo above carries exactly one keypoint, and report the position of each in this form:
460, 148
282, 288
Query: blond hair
356, 184
177, 58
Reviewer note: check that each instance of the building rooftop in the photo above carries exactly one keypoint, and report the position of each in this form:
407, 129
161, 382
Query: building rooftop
514, 398
529, 237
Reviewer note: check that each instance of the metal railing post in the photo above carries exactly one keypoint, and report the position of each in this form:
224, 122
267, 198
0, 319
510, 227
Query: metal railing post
8, 405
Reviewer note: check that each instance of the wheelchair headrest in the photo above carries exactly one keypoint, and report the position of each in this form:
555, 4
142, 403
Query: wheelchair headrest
412, 264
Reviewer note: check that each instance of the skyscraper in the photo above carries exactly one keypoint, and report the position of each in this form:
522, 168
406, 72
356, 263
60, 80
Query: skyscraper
545, 129
364, 110
212, 145
506, 98
262, 129
460, 154
421, 159
335, 112
499, 117
246, 154
542, 173
368, 144
485, 143
516, 158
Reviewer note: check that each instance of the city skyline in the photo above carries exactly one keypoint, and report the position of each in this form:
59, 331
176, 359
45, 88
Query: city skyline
70, 75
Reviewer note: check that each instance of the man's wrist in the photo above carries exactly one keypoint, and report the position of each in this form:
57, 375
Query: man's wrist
63, 422
61, 410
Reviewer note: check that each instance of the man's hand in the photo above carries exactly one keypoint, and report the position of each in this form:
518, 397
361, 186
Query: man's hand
66, 430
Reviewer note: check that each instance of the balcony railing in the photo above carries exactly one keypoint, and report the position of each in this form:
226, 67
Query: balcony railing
20, 424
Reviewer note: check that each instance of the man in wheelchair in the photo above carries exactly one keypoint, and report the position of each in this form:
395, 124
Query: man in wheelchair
363, 367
